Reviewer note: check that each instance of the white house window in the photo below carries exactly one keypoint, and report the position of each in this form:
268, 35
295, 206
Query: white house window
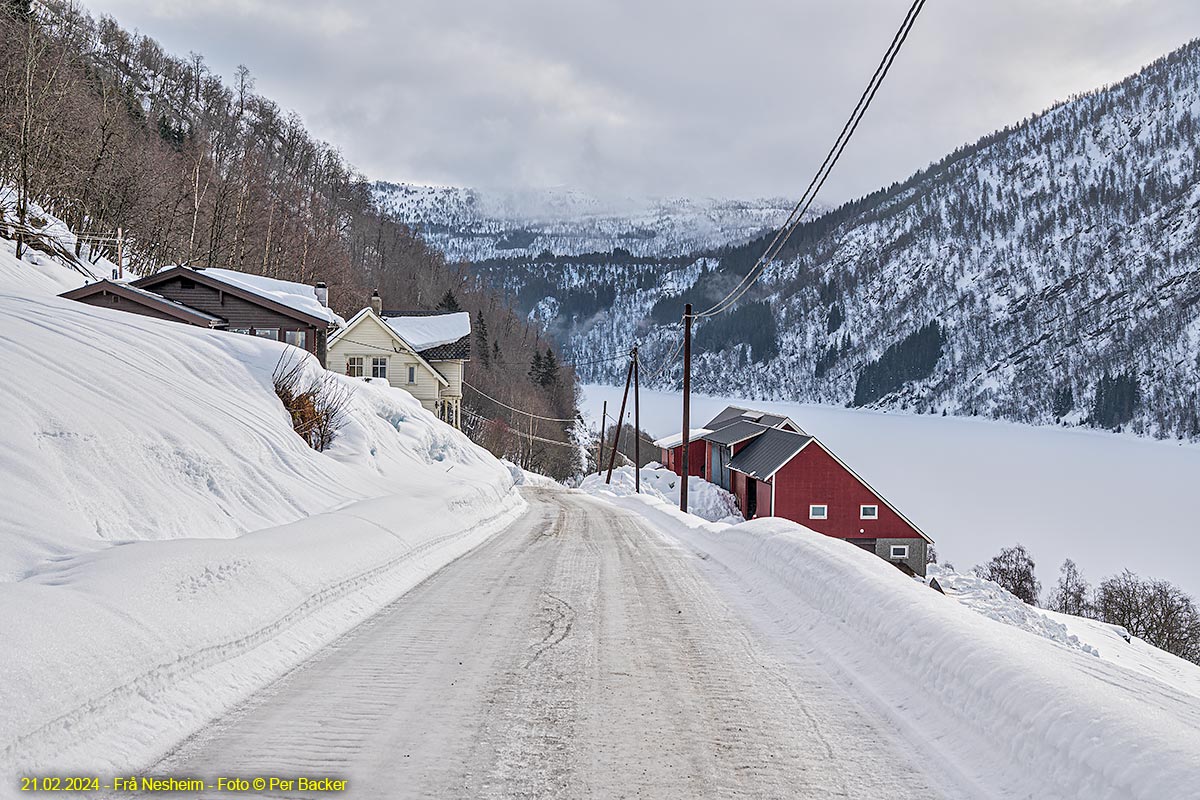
379, 367
899, 551
294, 338
354, 366
412, 374
818, 512
868, 512
267, 333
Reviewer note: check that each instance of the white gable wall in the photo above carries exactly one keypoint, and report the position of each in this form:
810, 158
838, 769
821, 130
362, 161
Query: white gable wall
370, 339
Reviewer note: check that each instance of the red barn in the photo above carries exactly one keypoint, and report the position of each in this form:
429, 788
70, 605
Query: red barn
671, 452
774, 469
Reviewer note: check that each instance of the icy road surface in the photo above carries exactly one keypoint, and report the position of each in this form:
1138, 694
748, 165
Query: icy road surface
576, 654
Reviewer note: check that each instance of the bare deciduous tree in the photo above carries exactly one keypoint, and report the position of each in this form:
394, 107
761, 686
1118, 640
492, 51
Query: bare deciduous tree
1014, 569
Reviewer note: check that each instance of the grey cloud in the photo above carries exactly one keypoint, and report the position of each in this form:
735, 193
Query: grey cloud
659, 98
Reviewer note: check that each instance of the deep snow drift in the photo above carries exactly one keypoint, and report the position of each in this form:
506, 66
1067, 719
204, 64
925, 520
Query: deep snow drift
705, 500
1109, 502
170, 544
1008, 705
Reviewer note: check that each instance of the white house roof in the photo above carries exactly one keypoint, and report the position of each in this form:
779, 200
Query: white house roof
676, 439
424, 332
297, 296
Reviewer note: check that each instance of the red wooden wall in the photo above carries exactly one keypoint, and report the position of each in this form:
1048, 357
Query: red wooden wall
813, 477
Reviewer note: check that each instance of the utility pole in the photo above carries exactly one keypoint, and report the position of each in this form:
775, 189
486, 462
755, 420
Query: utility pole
637, 428
687, 404
120, 253
600, 446
612, 458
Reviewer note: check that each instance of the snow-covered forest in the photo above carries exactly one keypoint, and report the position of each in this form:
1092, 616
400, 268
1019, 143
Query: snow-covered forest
105, 131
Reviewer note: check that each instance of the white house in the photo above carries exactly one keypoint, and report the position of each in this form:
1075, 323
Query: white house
420, 352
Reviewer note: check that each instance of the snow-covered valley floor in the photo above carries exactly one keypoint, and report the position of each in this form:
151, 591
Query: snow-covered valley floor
1109, 502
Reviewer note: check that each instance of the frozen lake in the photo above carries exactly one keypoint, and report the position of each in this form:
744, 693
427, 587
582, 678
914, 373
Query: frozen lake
1109, 502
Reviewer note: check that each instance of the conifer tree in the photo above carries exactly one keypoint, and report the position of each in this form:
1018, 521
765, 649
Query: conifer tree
449, 303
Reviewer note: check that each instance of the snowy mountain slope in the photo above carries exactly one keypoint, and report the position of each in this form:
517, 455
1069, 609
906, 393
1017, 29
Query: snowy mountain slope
1003, 708
170, 545
474, 224
1049, 271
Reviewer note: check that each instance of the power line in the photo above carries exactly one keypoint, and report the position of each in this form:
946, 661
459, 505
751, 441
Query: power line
520, 433
802, 206
519, 411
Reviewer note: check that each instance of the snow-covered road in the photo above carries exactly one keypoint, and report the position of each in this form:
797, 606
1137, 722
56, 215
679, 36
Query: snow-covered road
577, 654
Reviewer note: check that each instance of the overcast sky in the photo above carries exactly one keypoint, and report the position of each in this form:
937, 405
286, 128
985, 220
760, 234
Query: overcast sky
739, 98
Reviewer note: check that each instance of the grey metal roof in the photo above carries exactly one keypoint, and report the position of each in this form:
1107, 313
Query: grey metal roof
454, 350
737, 432
733, 414
768, 452
730, 415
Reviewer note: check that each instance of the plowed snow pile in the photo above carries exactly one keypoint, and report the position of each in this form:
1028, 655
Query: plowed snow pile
1016, 702
169, 544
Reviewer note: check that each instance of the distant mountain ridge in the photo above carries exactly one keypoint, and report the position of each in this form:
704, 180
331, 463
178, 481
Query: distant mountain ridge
1049, 272
476, 224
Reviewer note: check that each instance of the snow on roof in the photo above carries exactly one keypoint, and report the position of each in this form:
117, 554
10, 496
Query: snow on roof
424, 332
298, 296
676, 439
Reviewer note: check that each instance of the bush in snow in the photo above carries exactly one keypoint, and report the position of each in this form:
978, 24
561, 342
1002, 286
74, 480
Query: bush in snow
1013, 569
317, 403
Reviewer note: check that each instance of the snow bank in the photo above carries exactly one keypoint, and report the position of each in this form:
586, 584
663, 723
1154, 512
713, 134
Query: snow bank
705, 500
170, 545
1109, 642
995, 602
1010, 711
423, 332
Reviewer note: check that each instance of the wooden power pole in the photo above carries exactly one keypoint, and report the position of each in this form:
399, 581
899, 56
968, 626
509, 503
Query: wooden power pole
637, 428
687, 404
612, 457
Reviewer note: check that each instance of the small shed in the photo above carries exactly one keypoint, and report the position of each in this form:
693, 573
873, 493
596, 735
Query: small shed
671, 452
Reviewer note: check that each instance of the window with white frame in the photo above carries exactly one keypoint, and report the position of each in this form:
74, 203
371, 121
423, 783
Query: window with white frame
818, 512
267, 333
295, 338
868, 512
412, 374
244, 331
899, 551
354, 366
379, 367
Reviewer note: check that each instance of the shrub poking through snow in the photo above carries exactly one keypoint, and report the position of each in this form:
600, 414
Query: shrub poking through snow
317, 403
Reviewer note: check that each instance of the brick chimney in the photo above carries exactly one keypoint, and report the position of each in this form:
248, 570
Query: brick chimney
376, 303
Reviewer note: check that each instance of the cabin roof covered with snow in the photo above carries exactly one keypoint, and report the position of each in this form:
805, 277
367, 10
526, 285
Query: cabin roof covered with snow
676, 439
146, 298
433, 334
291, 298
